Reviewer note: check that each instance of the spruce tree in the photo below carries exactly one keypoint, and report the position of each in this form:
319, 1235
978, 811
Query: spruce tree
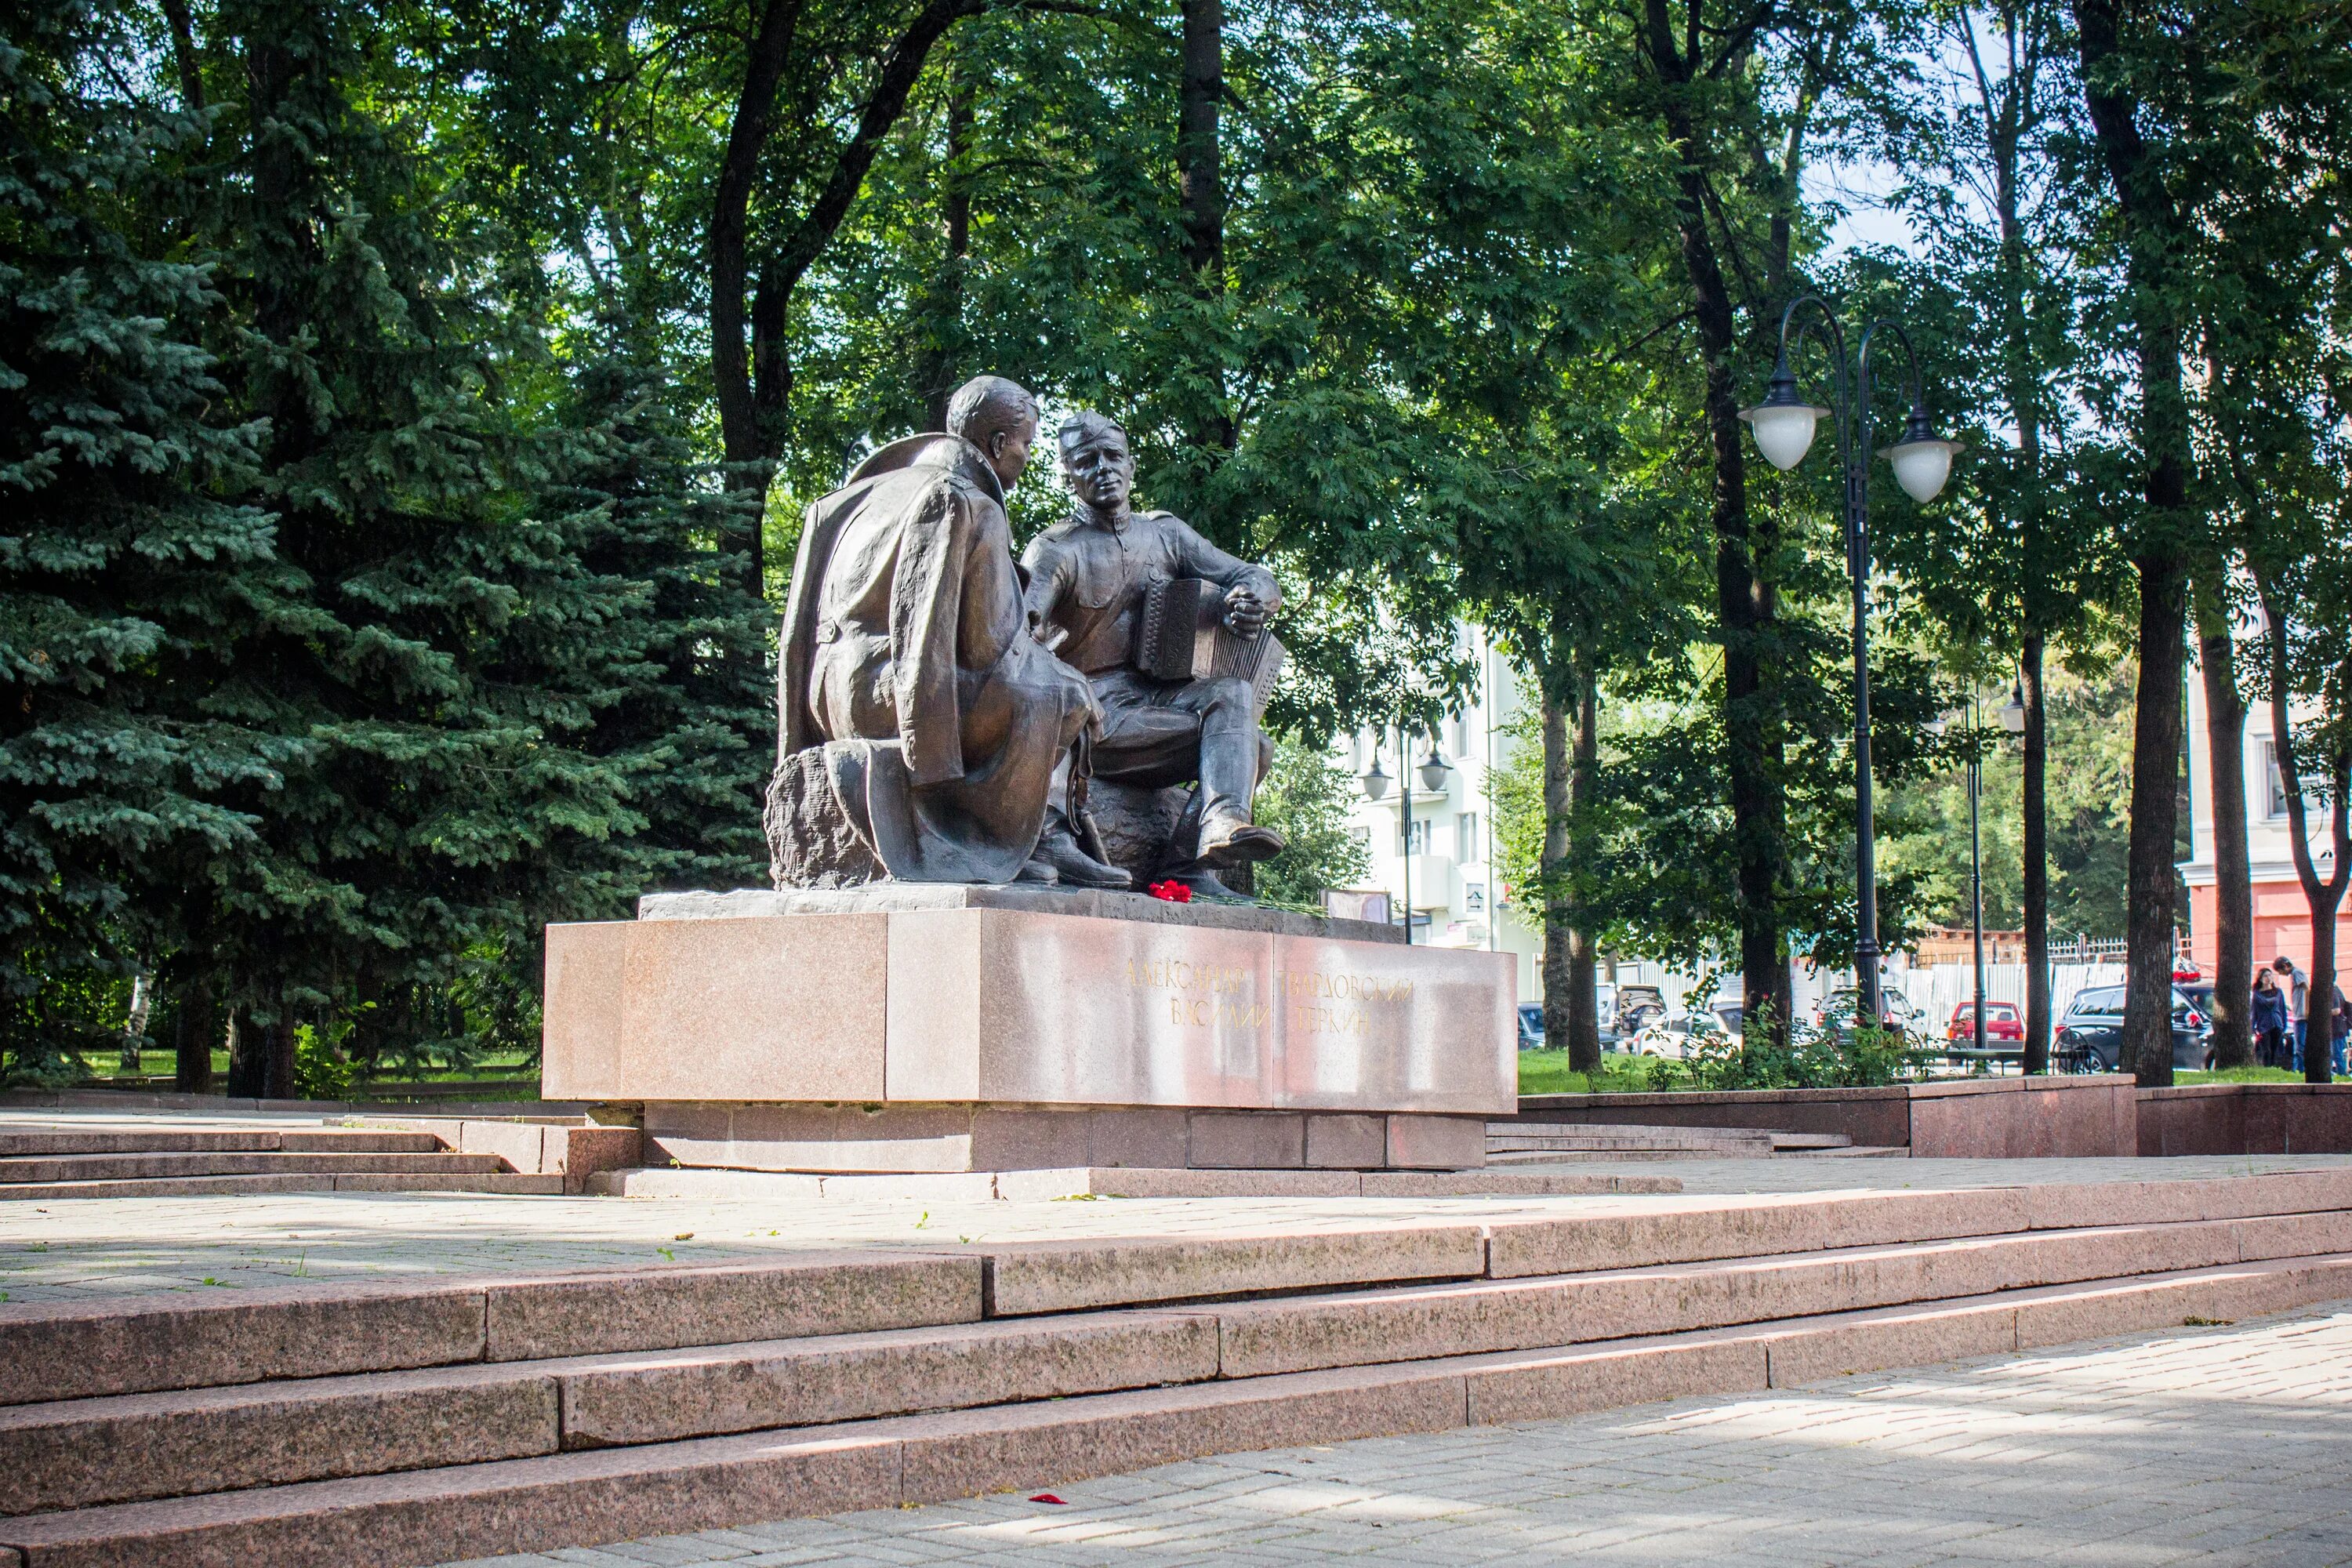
128, 546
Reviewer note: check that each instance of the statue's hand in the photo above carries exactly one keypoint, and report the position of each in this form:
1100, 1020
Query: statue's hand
1244, 613
1050, 637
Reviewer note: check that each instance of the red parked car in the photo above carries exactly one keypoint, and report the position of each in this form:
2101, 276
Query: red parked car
2001, 1023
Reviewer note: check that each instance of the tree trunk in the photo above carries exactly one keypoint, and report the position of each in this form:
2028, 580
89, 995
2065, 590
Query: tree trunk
1200, 176
1199, 149
184, 55
935, 367
278, 1061
2157, 735
195, 1025
1745, 601
244, 1056
1583, 782
732, 359
1558, 915
2037, 859
2225, 739
2323, 897
2150, 226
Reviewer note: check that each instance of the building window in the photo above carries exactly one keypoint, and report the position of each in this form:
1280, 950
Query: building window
2274, 787
1416, 839
1467, 846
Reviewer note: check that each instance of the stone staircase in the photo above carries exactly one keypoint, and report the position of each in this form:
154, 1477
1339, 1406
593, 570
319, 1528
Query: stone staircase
116, 1161
1529, 1142
434, 1419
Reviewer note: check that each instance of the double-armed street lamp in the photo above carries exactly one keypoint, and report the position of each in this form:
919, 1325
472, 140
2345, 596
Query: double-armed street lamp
1433, 769
1783, 427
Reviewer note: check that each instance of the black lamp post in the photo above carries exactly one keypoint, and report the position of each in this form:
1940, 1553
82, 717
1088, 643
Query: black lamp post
1432, 769
1783, 427
1975, 864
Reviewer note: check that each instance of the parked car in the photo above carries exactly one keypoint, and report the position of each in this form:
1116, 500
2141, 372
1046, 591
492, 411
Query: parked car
1677, 1037
1638, 1007
1840, 1007
1531, 1027
2003, 1024
2089, 1038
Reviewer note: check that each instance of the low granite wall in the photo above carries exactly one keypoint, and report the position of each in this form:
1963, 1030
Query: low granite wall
2247, 1119
1965, 1118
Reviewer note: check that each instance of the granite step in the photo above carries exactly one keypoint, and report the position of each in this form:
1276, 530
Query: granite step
1337, 1328
26, 1170
556, 1500
499, 1180
196, 1441
230, 1338
148, 1344
1542, 1156
116, 1139
211, 1439
1620, 1135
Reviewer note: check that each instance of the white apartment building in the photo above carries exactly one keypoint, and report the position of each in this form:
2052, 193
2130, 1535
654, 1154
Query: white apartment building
1447, 872
1457, 896
2281, 916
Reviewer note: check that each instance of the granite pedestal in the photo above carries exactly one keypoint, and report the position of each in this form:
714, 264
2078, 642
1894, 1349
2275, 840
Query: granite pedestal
912, 1028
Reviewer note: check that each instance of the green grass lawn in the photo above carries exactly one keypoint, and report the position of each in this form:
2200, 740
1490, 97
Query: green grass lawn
1548, 1072
2241, 1074
162, 1063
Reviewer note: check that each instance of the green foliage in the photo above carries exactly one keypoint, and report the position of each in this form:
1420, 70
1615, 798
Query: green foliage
128, 543
321, 1071
1305, 797
370, 579
355, 625
2089, 793
1760, 1057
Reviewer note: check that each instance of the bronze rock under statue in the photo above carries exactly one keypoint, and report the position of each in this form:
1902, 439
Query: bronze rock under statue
1171, 632
920, 720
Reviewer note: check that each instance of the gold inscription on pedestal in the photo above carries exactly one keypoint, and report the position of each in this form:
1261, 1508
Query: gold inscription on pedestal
1319, 1001
1335, 1002
1203, 995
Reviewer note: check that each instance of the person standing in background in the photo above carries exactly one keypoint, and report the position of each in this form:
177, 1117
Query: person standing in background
2298, 1000
2268, 1018
2339, 1025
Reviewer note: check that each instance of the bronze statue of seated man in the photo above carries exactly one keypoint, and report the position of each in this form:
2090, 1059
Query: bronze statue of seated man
1171, 632
923, 726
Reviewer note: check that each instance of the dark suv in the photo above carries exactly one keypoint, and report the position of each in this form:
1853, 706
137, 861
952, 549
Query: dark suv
2090, 1036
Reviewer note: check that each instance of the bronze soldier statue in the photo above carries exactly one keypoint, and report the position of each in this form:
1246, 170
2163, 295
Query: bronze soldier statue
1105, 585
921, 721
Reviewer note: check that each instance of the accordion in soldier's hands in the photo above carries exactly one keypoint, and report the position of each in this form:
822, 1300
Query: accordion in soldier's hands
1181, 636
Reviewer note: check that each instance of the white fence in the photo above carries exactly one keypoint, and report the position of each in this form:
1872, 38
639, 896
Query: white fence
1938, 988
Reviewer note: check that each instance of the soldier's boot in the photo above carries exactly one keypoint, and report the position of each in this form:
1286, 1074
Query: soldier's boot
1058, 849
1229, 770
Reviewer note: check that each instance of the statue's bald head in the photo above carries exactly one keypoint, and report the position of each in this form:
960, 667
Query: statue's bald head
998, 416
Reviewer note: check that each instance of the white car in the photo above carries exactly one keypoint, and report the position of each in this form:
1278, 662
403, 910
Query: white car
1677, 1038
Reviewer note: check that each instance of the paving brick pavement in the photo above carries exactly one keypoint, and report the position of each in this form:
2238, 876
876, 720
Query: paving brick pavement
91, 1249
2227, 1445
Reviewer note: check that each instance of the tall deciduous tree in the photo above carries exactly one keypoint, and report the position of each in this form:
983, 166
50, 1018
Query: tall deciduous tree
2117, 46
2020, 562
